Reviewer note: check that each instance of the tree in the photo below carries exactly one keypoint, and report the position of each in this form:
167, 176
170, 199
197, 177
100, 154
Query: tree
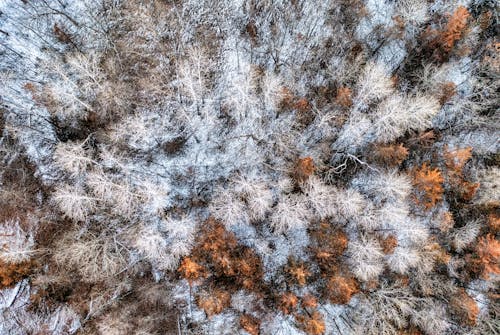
74, 202
320, 197
72, 157
454, 28
488, 250
373, 85
365, 258
290, 213
428, 182
312, 324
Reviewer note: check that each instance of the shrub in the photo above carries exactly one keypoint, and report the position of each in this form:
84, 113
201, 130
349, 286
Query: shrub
93, 257
374, 84
320, 197
72, 157
290, 213
16, 244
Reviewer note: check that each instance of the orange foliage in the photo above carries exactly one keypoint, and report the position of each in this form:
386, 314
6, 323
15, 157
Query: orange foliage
302, 105
331, 243
191, 270
465, 308
218, 250
485, 20
389, 244
304, 169
424, 139
488, 250
288, 302
494, 223
287, 98
468, 190
448, 90
455, 161
11, 273
340, 289
214, 302
428, 182
392, 154
447, 222
298, 272
438, 252
62, 35
313, 324
250, 324
344, 97
454, 28
309, 301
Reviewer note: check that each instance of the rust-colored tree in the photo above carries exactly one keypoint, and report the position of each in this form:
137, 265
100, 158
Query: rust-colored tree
304, 168
454, 28
11, 273
344, 97
448, 90
217, 250
213, 301
389, 155
455, 161
287, 302
494, 223
388, 244
250, 324
302, 105
312, 324
191, 270
340, 289
309, 301
298, 272
464, 308
488, 251
429, 185
329, 244
442, 42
